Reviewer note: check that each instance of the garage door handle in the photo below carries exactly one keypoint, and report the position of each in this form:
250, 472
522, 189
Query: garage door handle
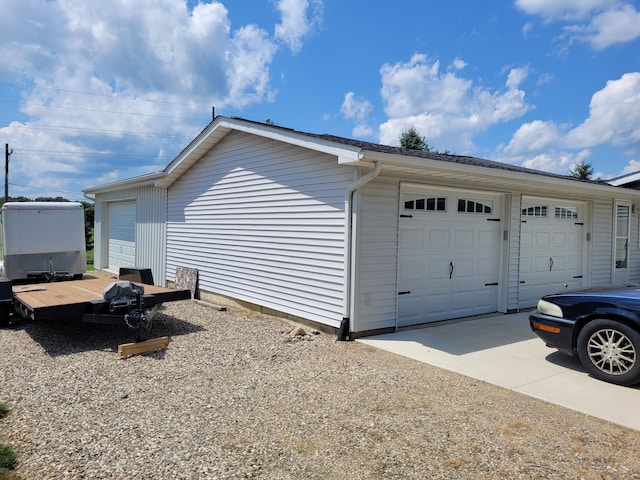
404, 293
450, 270
491, 284
550, 263
406, 216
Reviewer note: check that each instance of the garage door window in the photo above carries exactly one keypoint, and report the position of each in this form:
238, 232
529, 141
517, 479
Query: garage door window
535, 211
569, 213
474, 206
425, 203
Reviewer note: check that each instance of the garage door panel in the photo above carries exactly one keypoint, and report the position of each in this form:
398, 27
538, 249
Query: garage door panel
464, 269
411, 238
542, 239
486, 239
463, 238
437, 270
438, 238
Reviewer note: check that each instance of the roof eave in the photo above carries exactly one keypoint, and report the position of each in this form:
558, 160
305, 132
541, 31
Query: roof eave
148, 180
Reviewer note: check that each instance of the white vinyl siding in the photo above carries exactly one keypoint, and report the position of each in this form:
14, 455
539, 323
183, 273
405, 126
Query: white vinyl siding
263, 222
514, 231
602, 243
377, 255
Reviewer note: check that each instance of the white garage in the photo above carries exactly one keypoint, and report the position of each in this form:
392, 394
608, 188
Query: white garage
361, 237
448, 254
122, 235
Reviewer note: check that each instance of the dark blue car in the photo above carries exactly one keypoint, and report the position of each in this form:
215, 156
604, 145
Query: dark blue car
599, 324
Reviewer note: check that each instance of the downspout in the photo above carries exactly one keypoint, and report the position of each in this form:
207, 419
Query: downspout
343, 334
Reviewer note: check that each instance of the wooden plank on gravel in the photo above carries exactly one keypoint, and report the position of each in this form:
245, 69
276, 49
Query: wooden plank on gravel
137, 348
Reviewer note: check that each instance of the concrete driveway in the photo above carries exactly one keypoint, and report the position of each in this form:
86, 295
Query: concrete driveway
503, 351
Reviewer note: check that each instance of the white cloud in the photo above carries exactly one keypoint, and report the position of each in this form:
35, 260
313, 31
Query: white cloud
298, 20
354, 108
620, 25
603, 22
554, 161
562, 9
362, 131
614, 116
417, 94
526, 29
136, 77
417, 86
357, 109
614, 120
458, 64
533, 137
632, 167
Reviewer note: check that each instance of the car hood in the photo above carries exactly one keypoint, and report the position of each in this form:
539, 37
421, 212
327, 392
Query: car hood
603, 291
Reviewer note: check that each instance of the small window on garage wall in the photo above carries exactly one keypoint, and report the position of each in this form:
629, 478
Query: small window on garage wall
622, 236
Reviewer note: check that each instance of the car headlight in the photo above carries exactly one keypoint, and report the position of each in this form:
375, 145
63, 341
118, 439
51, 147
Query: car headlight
548, 308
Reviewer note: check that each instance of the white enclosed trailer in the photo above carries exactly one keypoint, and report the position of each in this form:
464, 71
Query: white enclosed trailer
42, 240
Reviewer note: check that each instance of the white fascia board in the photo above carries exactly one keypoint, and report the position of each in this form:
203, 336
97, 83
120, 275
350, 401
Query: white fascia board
625, 179
147, 180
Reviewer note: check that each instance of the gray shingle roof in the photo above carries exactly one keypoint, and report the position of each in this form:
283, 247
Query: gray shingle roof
443, 157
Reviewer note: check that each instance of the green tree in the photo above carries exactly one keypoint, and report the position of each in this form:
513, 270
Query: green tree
582, 170
412, 140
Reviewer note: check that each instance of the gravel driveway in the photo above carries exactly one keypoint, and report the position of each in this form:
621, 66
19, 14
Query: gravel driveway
234, 396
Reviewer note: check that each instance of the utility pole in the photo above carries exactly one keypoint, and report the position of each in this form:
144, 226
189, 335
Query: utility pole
7, 154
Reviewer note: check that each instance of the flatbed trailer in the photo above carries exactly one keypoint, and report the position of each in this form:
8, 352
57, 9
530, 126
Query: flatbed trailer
85, 299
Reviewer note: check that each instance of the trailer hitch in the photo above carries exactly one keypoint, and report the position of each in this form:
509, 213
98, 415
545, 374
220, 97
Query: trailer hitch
130, 305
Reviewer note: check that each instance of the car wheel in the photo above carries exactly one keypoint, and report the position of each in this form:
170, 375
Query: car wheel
610, 351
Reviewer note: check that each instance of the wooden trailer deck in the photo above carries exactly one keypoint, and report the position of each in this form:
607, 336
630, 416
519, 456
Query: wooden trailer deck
45, 301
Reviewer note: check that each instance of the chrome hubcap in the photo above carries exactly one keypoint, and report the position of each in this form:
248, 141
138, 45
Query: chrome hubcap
611, 352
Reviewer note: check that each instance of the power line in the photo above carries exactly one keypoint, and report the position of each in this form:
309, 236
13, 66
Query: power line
114, 96
94, 110
88, 153
40, 126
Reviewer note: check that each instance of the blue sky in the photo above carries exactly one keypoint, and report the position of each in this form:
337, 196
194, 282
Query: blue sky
94, 92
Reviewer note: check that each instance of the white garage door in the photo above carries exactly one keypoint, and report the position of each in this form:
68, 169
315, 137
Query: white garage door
122, 235
551, 248
449, 255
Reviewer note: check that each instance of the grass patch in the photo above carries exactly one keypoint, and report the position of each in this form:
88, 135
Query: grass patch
7, 458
